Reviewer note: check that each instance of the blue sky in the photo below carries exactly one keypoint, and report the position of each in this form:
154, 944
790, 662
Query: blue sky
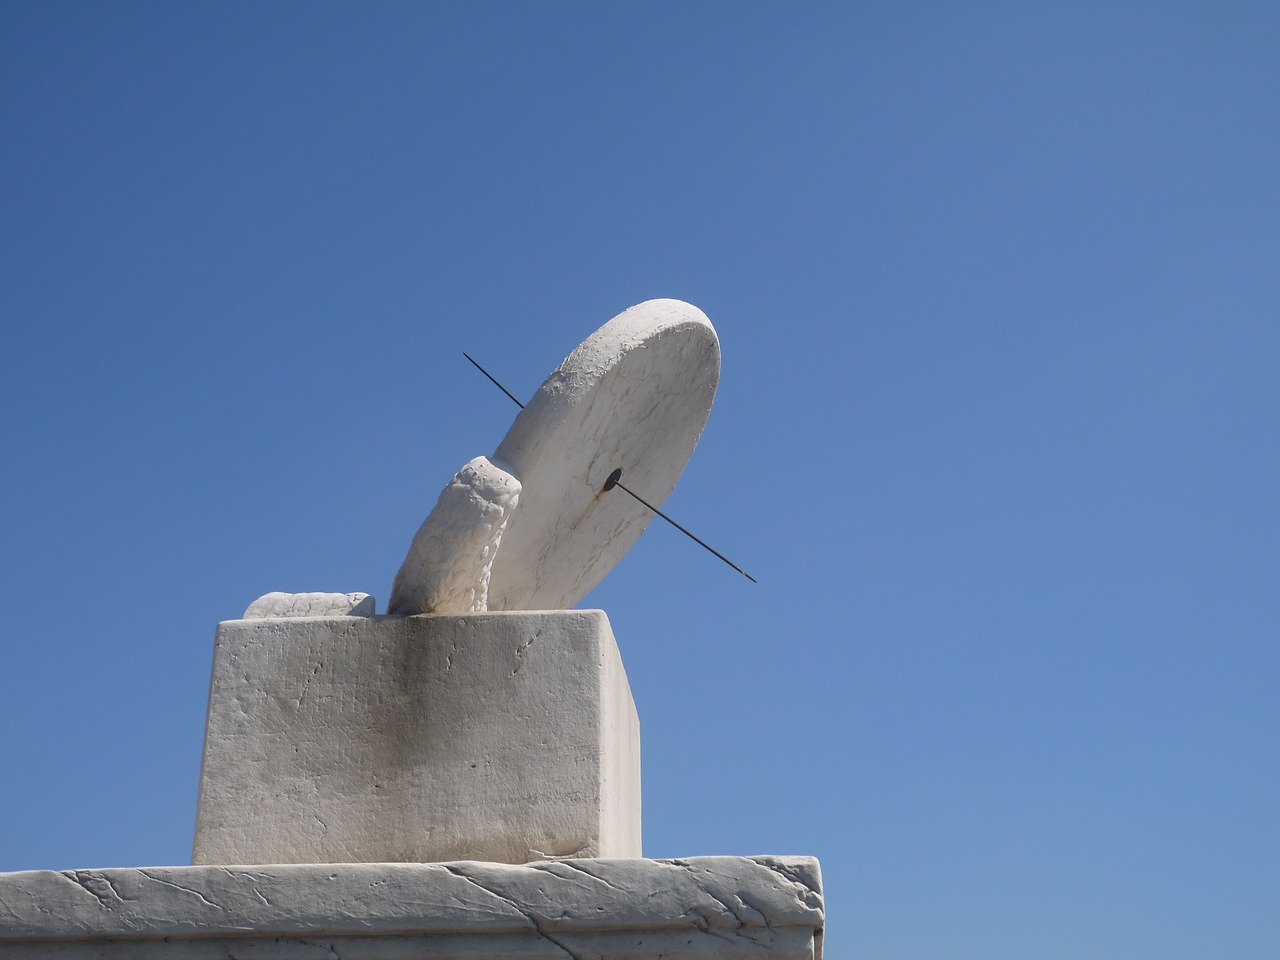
996, 288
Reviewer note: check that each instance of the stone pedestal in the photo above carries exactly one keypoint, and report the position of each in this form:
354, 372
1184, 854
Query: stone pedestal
347, 752
507, 737
708, 908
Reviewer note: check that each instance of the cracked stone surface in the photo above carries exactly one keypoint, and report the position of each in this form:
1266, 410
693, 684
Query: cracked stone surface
634, 396
714, 908
507, 737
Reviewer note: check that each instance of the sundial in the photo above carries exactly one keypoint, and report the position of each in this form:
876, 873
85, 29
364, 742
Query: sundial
482, 725
536, 525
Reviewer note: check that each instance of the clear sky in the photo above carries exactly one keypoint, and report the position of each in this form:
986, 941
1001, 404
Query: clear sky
998, 294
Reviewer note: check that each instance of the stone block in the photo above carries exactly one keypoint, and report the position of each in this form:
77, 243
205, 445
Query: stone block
507, 737
702, 908
311, 605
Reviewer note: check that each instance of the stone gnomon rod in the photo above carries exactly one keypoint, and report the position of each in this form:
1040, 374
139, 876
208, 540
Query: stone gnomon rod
614, 480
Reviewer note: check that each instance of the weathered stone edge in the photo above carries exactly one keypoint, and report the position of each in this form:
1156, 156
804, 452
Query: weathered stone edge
569, 896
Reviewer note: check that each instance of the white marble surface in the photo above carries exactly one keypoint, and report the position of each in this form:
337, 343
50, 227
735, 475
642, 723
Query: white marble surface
712, 908
449, 562
634, 396
310, 605
502, 736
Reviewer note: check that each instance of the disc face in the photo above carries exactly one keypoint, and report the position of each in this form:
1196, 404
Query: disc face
633, 396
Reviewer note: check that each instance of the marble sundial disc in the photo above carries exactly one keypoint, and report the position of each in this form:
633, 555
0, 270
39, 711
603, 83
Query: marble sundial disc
635, 395
532, 528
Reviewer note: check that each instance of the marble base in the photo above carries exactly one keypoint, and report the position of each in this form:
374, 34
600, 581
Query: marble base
507, 737
708, 908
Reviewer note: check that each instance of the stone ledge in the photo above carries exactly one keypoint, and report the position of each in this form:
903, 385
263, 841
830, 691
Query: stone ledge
707, 907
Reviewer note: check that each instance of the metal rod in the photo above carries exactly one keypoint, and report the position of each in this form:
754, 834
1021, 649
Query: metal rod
613, 481
495, 382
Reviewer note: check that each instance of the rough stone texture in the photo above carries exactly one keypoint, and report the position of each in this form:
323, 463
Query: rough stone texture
507, 737
311, 605
711, 908
447, 569
634, 396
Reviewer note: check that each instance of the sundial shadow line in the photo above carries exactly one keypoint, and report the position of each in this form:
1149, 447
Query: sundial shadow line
614, 480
